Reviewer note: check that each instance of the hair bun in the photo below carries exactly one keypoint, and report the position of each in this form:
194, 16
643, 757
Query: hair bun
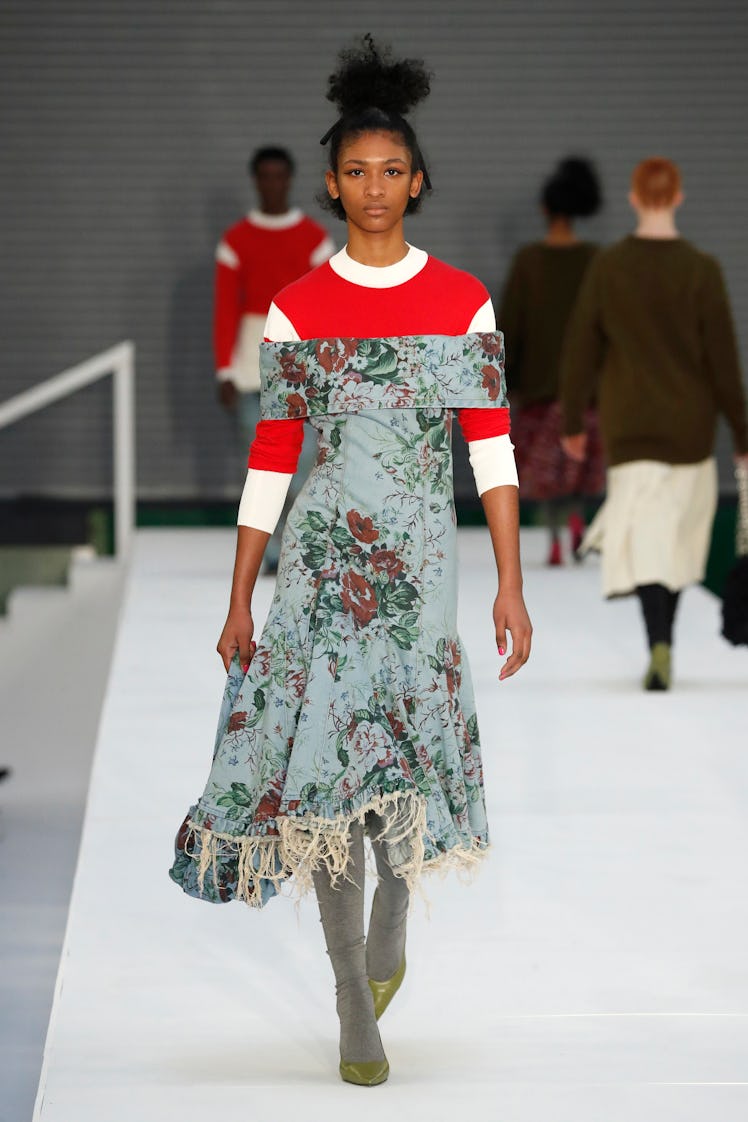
573, 190
368, 77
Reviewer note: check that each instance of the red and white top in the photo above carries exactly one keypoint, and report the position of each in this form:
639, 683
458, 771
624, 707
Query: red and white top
417, 296
255, 259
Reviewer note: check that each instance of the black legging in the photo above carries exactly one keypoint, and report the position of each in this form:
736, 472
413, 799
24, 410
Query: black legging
658, 605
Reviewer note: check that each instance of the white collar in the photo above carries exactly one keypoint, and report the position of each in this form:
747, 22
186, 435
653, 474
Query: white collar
275, 221
370, 276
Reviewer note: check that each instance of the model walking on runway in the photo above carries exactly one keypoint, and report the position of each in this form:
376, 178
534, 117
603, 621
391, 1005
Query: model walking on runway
354, 712
537, 301
652, 329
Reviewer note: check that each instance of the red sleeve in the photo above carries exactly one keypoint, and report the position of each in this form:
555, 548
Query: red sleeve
277, 445
479, 424
226, 313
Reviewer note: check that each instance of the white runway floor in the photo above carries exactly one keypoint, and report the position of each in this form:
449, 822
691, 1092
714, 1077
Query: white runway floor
595, 972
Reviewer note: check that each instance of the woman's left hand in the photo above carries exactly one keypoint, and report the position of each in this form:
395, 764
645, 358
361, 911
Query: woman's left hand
510, 614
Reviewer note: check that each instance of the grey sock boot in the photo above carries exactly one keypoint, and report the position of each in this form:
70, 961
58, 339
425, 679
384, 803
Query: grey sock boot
385, 942
341, 910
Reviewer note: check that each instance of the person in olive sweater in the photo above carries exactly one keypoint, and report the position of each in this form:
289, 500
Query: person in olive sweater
538, 298
652, 337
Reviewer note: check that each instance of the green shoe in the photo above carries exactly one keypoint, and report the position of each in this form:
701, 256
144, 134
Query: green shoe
365, 1074
385, 991
658, 671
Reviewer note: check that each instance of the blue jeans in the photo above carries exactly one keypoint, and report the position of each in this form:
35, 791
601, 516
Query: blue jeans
248, 414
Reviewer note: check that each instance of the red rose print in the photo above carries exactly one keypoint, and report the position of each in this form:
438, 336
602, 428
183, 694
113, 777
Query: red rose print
293, 371
397, 726
491, 344
452, 659
361, 527
237, 722
296, 683
333, 354
184, 833
422, 754
268, 806
492, 381
387, 561
358, 598
295, 405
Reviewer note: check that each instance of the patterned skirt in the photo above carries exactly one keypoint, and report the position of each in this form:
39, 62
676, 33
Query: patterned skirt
546, 473
358, 698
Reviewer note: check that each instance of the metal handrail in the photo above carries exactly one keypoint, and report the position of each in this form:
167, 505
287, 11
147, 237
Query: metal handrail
118, 361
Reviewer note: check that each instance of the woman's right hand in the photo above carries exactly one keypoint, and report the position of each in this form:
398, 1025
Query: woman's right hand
237, 636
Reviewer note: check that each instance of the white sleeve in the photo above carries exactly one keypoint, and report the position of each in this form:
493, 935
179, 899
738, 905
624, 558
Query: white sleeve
484, 319
264, 493
278, 327
492, 461
323, 252
225, 255
262, 499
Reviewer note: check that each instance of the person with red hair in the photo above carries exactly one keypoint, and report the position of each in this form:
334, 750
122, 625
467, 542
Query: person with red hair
652, 337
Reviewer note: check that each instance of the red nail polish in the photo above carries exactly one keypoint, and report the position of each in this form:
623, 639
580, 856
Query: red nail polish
245, 667
501, 650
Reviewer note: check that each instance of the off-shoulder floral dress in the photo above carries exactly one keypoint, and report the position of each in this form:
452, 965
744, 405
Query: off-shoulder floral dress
358, 698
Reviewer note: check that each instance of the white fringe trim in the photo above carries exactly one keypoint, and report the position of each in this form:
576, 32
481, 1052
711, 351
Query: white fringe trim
308, 843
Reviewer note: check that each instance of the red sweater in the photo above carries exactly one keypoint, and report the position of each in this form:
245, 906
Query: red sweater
437, 300
256, 258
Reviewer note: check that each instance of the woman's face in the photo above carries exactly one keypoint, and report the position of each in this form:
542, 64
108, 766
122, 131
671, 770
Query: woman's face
374, 180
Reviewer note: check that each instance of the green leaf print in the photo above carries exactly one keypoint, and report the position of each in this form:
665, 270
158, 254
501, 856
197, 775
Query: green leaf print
404, 638
259, 699
308, 793
396, 599
239, 795
335, 436
316, 521
382, 362
472, 728
314, 554
342, 537
438, 438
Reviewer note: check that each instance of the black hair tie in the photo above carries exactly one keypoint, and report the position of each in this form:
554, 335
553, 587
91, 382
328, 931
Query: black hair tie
331, 130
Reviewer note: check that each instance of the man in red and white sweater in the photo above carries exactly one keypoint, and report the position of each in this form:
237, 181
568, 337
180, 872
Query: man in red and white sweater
267, 250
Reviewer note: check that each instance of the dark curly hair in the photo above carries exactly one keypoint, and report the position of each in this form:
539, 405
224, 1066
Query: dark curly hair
372, 92
573, 191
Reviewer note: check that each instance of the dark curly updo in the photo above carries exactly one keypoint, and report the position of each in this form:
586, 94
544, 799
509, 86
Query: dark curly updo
372, 92
573, 191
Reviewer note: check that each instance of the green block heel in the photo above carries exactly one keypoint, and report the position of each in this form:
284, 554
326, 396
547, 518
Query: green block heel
365, 1074
384, 992
658, 674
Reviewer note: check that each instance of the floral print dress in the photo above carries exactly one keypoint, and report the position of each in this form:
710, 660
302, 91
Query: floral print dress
358, 698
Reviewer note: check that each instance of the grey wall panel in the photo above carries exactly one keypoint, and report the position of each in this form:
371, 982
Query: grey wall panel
123, 137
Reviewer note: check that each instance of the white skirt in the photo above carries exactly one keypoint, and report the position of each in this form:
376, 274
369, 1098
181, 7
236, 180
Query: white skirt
655, 525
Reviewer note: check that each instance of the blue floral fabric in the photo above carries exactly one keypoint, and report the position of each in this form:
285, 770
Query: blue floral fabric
358, 697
